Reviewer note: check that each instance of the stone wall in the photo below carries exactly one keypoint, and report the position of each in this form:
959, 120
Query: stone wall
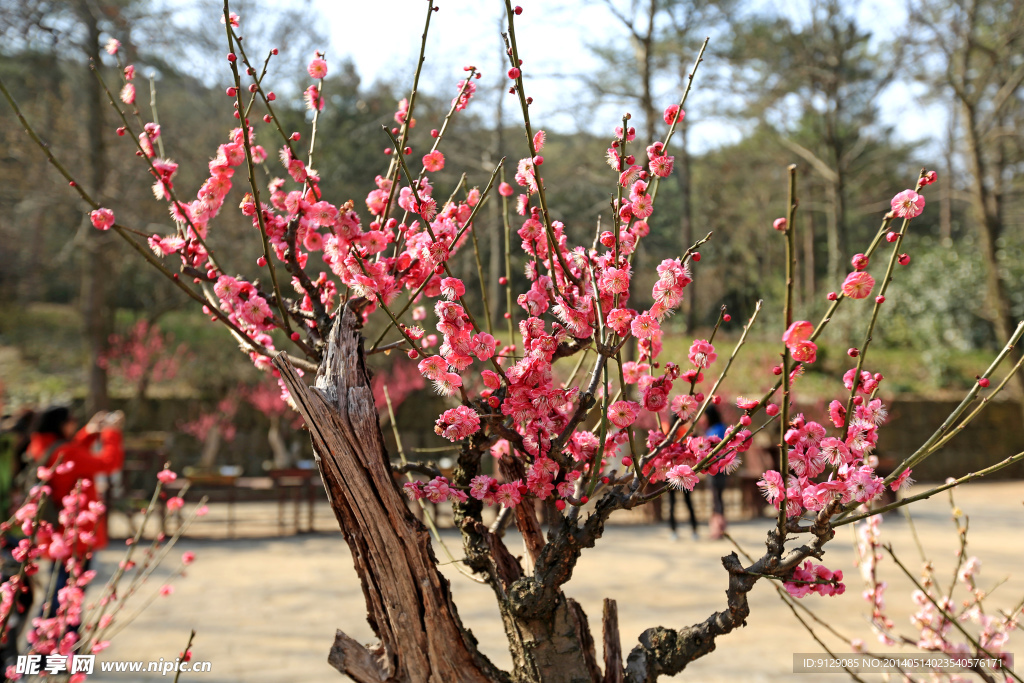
994, 435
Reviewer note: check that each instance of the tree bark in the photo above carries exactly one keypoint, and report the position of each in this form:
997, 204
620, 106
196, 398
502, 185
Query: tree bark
96, 273
408, 600
990, 228
409, 604
612, 645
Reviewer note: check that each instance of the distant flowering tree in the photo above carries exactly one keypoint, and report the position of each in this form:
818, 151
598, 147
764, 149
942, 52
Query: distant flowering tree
266, 397
144, 356
211, 428
578, 442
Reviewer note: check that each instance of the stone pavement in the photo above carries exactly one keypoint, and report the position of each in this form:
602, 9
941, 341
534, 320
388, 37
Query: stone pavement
265, 609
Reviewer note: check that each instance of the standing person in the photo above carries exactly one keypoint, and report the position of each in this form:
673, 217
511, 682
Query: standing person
79, 455
714, 427
687, 500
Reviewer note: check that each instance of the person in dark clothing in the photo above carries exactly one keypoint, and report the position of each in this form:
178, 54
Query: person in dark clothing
688, 501
716, 428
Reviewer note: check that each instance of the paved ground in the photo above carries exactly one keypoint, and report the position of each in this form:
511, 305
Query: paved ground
266, 609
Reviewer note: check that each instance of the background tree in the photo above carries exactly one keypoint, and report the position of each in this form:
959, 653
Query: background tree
817, 85
47, 51
972, 53
665, 37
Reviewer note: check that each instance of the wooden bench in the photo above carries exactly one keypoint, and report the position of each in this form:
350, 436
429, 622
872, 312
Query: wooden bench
296, 484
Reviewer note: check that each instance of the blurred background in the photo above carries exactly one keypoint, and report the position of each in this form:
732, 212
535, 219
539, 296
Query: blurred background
860, 95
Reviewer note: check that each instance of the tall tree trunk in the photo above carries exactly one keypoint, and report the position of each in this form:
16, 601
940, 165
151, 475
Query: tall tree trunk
809, 284
282, 456
946, 181
646, 75
96, 264
990, 228
497, 233
408, 600
211, 447
833, 226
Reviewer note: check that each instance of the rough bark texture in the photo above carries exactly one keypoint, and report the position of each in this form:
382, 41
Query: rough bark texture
612, 644
408, 600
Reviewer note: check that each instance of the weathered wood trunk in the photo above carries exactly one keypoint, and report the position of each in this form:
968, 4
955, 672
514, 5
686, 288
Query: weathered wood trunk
408, 600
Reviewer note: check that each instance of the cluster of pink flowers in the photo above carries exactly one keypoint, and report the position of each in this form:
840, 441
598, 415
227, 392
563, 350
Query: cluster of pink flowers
437, 490
935, 612
78, 516
848, 460
797, 340
815, 578
869, 554
466, 89
74, 620
142, 354
457, 423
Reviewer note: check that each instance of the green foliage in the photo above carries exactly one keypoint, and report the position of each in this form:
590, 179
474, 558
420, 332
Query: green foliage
936, 306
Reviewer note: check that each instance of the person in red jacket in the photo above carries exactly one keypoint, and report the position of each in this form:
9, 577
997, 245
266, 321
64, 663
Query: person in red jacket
81, 453
76, 455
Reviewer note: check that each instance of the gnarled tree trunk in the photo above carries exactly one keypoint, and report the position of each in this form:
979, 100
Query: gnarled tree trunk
408, 600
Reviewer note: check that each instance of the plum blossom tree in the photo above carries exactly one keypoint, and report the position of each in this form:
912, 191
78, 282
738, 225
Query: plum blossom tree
143, 356
576, 441
212, 428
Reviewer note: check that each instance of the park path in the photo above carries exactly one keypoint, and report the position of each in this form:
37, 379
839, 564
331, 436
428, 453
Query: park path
265, 610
